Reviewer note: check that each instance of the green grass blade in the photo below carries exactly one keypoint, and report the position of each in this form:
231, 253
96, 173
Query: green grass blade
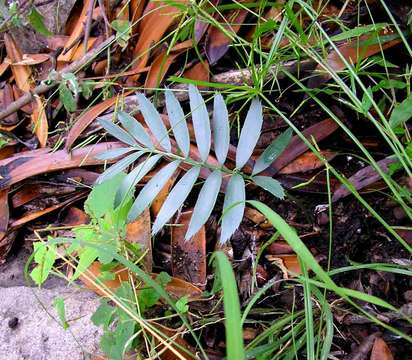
234, 335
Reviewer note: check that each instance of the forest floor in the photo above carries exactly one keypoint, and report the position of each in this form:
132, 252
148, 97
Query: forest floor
300, 108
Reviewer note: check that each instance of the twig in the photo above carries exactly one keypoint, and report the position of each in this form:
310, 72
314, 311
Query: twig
106, 20
41, 89
88, 25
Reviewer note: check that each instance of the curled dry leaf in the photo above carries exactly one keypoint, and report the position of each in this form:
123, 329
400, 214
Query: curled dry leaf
75, 217
199, 71
90, 276
307, 162
7, 99
79, 52
136, 11
279, 248
4, 212
32, 59
30, 163
188, 256
201, 26
34, 190
32, 215
3, 67
22, 73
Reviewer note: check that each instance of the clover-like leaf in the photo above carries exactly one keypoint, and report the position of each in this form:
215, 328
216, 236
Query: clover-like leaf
178, 121
201, 122
135, 129
117, 132
119, 166
132, 178
221, 129
154, 122
205, 203
272, 152
271, 185
176, 198
250, 133
151, 189
233, 207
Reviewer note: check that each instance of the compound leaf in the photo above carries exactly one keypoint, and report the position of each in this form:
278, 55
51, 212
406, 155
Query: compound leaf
233, 207
201, 123
151, 189
154, 122
117, 132
176, 198
205, 203
250, 133
130, 181
178, 122
221, 129
119, 167
271, 185
135, 129
114, 153
272, 151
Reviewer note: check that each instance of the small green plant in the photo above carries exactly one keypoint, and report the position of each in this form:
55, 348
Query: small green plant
119, 328
107, 228
219, 176
16, 14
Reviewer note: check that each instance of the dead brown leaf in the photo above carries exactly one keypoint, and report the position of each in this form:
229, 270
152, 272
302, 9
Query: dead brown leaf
163, 16
307, 162
297, 147
139, 232
22, 73
199, 71
162, 63
380, 350
87, 118
188, 257
217, 42
363, 178
77, 29
352, 51
39, 120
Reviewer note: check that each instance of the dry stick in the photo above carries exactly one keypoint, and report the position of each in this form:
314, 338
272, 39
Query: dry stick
232, 77
88, 25
75, 66
245, 77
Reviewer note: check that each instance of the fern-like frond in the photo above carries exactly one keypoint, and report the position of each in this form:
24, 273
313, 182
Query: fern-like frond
157, 144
